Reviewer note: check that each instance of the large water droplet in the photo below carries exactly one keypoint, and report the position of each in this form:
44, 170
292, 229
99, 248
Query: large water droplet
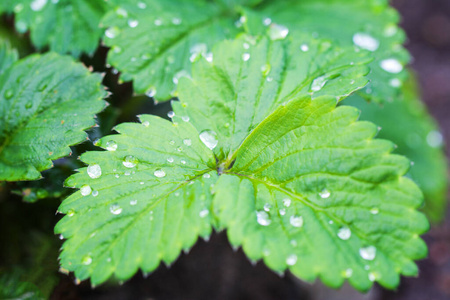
38, 5
291, 260
111, 145
296, 221
344, 233
368, 253
263, 218
365, 41
391, 65
130, 161
209, 138
115, 209
277, 32
94, 171
159, 173
87, 260
85, 190
318, 83
324, 194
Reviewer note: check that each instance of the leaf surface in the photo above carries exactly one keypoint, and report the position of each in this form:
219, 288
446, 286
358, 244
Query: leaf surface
8, 55
274, 146
46, 101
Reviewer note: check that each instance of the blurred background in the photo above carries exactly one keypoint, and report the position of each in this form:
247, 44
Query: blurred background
212, 270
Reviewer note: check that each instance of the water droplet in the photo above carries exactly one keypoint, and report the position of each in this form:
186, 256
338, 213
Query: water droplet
395, 82
296, 221
265, 69
267, 21
365, 41
158, 22
159, 173
318, 83
209, 138
206, 176
94, 193
94, 171
390, 30
133, 202
267, 207
85, 190
176, 78
151, 92
391, 65
304, 47
368, 253
293, 243
61, 237
277, 32
115, 209
142, 5
185, 118
291, 260
121, 12
176, 21
287, 202
130, 161
70, 213
183, 161
282, 211
324, 194
209, 56
374, 211
246, 46
203, 213
373, 276
263, 218
28, 105
170, 159
344, 233
133, 23
269, 79
435, 139
38, 5
171, 114
9, 94
111, 145
112, 32
87, 260
347, 273
18, 8
146, 123
246, 56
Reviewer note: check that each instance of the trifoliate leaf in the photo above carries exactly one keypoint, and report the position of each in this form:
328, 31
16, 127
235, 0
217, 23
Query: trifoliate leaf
370, 25
298, 181
407, 123
45, 104
66, 26
7, 55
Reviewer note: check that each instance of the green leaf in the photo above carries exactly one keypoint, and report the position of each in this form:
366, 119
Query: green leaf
268, 140
152, 41
65, 26
11, 287
7, 56
45, 104
408, 124
369, 25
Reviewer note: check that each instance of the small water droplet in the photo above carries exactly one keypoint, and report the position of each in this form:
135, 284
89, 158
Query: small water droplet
293, 243
203, 213
296, 221
373, 276
61, 237
185, 118
142, 5
246, 46
133, 23
159, 173
391, 65
112, 32
94, 193
368, 253
38, 5
87, 260
390, 30
269, 79
115, 209
374, 211
435, 139
70, 213
94, 171
130, 161
209, 138
344, 233
347, 273
267, 21
85, 190
318, 83
267, 207
170, 159
111, 145
176, 21
121, 12
183, 161
287, 202
265, 69
365, 41
304, 47
171, 114
133, 202
282, 211
246, 56
278, 32
146, 123
151, 92
291, 260
9, 94
395, 82
176, 78
158, 22
263, 218
324, 194
206, 176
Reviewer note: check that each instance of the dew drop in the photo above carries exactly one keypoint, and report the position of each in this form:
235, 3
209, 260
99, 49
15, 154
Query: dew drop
291, 260
171, 114
170, 159
435, 139
38, 5
112, 32
87, 260
183, 161
176, 78
368, 253
70, 213
159, 173
142, 5
146, 123
287, 202
85, 190
267, 21
115, 209
282, 211
391, 65
29, 105
121, 12
347, 273
324, 194
209, 138
158, 22
390, 30
133, 23
344, 233
203, 213
151, 92
265, 69
318, 83
176, 21
111, 145
133, 202
365, 41
206, 176
94, 193
130, 161
373, 276
296, 221
304, 47
8, 94
246, 56
94, 171
267, 207
185, 118
277, 32
374, 211
395, 82
263, 218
